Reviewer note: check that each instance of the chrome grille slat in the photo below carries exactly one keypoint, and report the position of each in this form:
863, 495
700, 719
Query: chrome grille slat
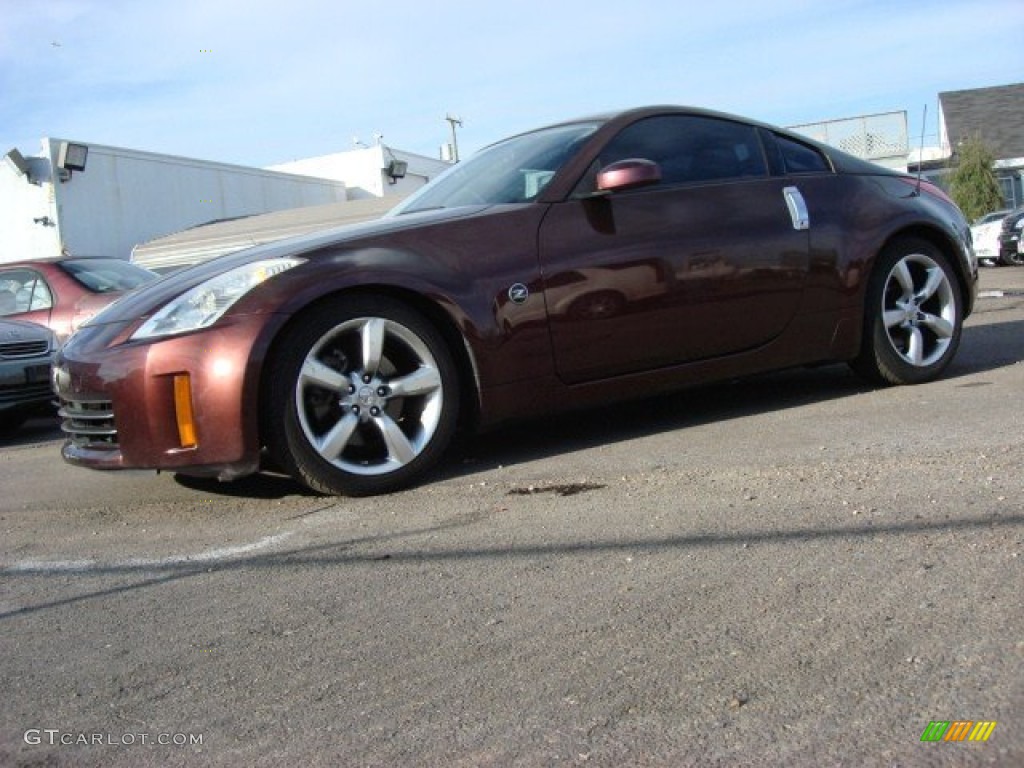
16, 394
89, 423
73, 428
15, 350
71, 413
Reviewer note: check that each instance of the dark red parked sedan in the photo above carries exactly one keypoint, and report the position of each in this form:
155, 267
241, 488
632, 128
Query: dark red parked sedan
63, 293
576, 265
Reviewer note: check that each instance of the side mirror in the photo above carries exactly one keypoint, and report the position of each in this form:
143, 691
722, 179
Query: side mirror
628, 174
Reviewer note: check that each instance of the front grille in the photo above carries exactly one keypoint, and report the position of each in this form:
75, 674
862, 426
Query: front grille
15, 350
89, 423
39, 391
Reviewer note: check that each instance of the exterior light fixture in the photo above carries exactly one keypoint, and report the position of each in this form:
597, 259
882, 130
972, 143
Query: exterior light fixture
396, 170
71, 157
16, 162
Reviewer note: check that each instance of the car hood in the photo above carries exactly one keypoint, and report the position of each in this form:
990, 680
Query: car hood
13, 331
147, 298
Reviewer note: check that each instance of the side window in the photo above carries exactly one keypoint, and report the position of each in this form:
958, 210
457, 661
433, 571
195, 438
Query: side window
23, 290
801, 158
691, 149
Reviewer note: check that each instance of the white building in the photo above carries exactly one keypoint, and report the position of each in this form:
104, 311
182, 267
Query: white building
375, 179
95, 200
881, 138
378, 171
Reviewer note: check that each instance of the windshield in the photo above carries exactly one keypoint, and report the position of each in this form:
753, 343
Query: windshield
512, 171
107, 275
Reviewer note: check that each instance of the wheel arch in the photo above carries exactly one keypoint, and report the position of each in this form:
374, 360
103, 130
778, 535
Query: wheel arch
881, 359
948, 245
432, 310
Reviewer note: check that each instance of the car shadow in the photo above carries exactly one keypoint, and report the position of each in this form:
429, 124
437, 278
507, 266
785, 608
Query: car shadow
38, 429
585, 429
988, 347
263, 485
983, 348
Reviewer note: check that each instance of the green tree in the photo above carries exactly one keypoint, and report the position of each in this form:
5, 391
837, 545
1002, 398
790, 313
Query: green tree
973, 183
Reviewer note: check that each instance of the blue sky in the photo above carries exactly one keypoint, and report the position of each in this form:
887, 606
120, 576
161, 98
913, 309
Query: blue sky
258, 82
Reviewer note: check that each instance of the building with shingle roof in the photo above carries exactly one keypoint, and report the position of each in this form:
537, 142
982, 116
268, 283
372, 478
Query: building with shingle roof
996, 116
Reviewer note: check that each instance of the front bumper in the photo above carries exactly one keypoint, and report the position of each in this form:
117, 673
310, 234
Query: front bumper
24, 388
120, 408
25, 374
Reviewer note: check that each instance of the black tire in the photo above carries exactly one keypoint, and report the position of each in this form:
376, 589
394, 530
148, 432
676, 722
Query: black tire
11, 420
362, 397
1011, 259
913, 315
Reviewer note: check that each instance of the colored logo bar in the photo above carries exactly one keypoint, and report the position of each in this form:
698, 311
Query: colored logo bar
958, 730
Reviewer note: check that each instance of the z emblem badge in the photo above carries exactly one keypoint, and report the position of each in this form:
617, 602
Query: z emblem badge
518, 293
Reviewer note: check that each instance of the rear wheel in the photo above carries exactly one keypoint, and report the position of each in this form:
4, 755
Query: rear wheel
913, 315
363, 397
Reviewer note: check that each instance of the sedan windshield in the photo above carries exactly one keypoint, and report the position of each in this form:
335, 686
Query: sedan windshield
512, 171
107, 275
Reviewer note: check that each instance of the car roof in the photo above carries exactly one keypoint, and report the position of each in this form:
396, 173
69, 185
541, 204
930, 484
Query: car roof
637, 113
841, 161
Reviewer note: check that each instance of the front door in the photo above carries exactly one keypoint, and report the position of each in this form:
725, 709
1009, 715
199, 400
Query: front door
709, 262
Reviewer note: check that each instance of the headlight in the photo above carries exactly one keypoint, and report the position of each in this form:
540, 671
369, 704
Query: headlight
203, 305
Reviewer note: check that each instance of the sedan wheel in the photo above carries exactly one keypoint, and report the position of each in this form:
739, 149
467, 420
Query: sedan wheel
913, 316
364, 397
1012, 259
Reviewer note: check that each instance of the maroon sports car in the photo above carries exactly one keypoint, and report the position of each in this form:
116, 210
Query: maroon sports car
572, 266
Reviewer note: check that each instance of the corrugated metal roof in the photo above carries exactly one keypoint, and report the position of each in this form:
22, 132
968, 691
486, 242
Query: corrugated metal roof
206, 241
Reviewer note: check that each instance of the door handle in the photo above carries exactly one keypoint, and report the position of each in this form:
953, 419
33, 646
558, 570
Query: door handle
797, 208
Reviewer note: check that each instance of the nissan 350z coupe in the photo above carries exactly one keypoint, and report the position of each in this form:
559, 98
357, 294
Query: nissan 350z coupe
572, 266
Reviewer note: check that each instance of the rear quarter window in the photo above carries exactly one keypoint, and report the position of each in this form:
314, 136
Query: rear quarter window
797, 157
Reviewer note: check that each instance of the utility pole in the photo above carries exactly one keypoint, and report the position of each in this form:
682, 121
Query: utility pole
454, 120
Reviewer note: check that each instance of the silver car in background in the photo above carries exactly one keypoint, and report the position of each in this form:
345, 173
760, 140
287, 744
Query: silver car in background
985, 234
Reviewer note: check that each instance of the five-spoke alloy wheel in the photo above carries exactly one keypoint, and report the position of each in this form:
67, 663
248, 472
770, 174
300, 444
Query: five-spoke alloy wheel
363, 397
913, 315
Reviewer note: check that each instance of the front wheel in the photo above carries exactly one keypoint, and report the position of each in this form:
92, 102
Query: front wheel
363, 397
913, 315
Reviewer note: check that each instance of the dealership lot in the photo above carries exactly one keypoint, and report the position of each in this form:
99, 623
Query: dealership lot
796, 569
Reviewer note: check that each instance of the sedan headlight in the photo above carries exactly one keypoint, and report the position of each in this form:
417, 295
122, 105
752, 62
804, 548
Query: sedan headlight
203, 305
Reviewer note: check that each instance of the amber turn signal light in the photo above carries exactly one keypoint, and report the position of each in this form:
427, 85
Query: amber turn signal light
183, 410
